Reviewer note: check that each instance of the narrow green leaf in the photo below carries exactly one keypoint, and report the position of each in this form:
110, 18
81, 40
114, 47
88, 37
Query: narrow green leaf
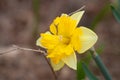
100, 48
100, 64
100, 16
87, 58
88, 72
80, 71
36, 4
116, 13
119, 4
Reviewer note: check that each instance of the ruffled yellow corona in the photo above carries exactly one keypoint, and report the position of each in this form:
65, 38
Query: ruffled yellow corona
64, 38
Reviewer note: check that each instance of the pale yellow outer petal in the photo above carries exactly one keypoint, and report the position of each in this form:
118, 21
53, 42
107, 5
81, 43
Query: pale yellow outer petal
71, 61
58, 66
77, 16
87, 39
38, 43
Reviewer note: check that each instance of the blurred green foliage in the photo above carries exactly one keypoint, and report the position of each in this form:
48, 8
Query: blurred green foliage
100, 48
36, 4
88, 72
116, 10
105, 10
80, 72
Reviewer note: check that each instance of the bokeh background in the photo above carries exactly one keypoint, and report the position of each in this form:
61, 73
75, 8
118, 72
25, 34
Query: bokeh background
21, 22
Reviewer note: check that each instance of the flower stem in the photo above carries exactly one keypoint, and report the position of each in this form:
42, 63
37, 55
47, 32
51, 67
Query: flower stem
55, 76
15, 47
100, 64
44, 54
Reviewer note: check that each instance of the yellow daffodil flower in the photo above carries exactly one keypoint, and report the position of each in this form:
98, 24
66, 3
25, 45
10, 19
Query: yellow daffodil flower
64, 38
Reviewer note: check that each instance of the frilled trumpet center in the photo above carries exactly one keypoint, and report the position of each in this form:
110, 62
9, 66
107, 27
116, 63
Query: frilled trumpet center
64, 40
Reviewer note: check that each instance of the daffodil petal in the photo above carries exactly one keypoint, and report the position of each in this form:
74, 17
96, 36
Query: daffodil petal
77, 16
58, 66
87, 39
53, 29
47, 40
66, 25
71, 61
68, 50
53, 26
38, 43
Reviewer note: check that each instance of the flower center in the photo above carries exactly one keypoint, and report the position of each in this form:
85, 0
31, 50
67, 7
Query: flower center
64, 40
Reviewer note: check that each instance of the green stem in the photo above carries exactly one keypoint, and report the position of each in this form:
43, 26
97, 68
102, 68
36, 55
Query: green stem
100, 64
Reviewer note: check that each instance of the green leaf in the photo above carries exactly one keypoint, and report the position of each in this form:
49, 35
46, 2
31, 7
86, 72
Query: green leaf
100, 64
100, 48
88, 72
87, 58
100, 16
119, 4
80, 71
116, 13
36, 4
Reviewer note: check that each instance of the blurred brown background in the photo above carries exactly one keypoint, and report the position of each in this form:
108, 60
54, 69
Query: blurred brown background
18, 26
